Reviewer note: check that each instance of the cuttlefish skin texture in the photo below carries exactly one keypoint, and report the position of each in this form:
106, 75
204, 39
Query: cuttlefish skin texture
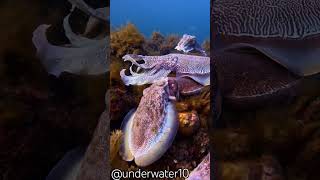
156, 67
263, 49
273, 18
286, 32
150, 130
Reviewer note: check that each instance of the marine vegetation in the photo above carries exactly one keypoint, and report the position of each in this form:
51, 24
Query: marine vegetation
126, 40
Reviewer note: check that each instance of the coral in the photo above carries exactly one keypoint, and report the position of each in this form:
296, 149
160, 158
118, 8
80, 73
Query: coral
116, 161
189, 123
126, 40
115, 142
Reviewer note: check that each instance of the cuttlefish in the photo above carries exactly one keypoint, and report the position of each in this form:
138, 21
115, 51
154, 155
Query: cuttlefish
151, 68
150, 129
262, 49
81, 56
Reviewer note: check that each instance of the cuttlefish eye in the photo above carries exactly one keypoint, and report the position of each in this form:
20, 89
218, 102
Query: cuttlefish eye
173, 89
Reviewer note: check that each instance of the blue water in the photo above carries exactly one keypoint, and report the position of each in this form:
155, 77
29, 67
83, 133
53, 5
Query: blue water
166, 16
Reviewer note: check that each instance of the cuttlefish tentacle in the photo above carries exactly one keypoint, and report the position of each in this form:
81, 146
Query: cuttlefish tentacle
155, 67
150, 130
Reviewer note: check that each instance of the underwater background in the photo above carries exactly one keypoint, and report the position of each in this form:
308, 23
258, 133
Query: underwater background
167, 17
42, 117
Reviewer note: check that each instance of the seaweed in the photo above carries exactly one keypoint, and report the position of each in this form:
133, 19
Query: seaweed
126, 40
168, 45
206, 46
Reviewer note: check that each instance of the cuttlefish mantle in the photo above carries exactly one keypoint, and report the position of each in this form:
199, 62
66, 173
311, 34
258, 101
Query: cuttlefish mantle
254, 25
150, 129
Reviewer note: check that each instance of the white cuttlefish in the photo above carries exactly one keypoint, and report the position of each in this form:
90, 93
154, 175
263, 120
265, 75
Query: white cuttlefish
82, 56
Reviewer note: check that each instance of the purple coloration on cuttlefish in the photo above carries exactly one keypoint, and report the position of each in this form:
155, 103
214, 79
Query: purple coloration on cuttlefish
150, 129
202, 171
155, 67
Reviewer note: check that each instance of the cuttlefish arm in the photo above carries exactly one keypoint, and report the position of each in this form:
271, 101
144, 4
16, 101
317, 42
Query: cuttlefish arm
89, 59
189, 43
75, 39
156, 67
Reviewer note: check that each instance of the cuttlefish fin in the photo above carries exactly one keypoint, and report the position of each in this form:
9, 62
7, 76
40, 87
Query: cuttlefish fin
203, 79
302, 60
126, 127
